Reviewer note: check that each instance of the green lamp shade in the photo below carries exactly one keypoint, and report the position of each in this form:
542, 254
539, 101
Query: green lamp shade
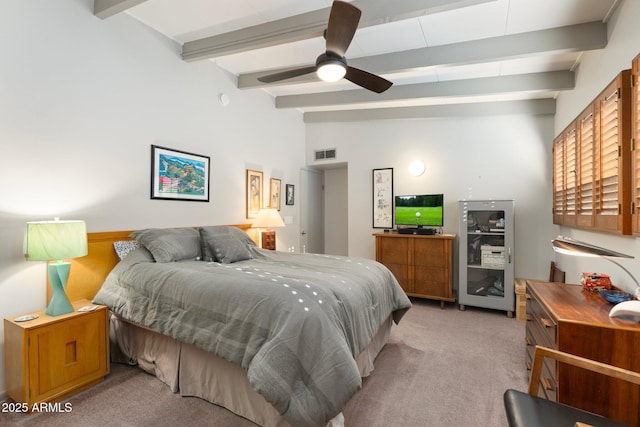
56, 241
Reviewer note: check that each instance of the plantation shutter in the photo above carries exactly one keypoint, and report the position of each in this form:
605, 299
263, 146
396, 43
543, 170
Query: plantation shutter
558, 179
609, 203
635, 132
593, 186
586, 132
571, 177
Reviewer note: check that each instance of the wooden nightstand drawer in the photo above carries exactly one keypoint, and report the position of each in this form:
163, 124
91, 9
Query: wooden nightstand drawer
49, 358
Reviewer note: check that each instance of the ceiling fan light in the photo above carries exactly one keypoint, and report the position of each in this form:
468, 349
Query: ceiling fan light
331, 72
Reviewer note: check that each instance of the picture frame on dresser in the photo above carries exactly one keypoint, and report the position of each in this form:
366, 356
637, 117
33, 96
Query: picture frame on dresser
179, 175
383, 198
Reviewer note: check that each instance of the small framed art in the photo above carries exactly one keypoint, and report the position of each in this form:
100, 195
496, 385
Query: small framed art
254, 193
276, 186
383, 198
290, 194
178, 175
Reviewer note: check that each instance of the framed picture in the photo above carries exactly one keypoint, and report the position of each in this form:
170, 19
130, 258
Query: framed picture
178, 175
383, 198
254, 193
276, 186
290, 194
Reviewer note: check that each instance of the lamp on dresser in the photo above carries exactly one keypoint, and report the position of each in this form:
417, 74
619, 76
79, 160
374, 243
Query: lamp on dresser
268, 218
567, 246
56, 241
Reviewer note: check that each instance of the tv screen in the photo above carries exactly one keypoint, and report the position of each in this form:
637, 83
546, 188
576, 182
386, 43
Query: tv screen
419, 210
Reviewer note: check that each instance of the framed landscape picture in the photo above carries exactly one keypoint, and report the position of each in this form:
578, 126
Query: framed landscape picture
383, 198
178, 175
276, 186
254, 193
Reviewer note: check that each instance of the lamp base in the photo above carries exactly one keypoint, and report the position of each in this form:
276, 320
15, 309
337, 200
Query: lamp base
59, 303
269, 240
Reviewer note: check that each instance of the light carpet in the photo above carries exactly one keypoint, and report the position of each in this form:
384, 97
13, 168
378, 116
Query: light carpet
440, 368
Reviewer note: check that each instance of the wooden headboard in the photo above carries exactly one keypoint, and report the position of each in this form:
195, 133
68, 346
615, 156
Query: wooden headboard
88, 273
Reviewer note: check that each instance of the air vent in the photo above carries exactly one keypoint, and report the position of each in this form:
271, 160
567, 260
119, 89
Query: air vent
326, 154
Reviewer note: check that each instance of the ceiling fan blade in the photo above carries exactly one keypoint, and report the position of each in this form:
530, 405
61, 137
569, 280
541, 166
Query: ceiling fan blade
283, 75
343, 22
367, 80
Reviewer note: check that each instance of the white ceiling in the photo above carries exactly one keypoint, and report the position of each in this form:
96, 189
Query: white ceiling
443, 56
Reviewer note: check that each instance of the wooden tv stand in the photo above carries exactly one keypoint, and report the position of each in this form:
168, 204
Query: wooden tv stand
422, 264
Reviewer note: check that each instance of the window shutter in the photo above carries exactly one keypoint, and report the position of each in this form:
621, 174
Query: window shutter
593, 186
572, 172
635, 134
586, 133
609, 155
558, 179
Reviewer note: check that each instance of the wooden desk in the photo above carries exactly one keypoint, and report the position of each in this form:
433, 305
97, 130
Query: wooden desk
565, 317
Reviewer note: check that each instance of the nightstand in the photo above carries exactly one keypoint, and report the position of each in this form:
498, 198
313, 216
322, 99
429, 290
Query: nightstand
49, 358
269, 240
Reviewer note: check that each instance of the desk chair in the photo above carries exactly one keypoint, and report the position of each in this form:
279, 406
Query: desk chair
555, 274
529, 410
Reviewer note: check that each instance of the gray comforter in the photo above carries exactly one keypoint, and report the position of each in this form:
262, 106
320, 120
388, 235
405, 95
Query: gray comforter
294, 322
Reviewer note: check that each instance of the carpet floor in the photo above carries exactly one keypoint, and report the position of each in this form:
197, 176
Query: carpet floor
440, 368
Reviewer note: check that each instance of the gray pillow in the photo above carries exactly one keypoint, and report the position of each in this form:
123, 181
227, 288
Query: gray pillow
170, 244
225, 244
123, 247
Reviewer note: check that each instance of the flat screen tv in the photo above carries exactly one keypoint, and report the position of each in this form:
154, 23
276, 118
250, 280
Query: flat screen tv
425, 210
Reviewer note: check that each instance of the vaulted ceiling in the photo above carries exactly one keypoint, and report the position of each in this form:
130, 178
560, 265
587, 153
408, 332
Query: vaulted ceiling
444, 57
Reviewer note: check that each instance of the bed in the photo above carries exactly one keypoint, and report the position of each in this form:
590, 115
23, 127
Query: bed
281, 339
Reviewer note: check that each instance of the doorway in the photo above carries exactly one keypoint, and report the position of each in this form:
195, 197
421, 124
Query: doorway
324, 210
312, 211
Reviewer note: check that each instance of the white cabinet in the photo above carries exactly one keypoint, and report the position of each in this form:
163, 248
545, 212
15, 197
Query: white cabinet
486, 255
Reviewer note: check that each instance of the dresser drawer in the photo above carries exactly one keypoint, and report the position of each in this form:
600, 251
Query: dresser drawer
539, 334
543, 327
542, 330
548, 381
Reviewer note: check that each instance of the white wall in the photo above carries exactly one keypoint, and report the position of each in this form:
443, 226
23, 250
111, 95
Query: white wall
81, 102
597, 70
499, 157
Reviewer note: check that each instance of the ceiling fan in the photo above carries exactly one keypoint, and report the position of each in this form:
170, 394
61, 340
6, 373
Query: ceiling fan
331, 66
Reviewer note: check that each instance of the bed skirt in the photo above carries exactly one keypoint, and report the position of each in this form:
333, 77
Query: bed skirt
191, 371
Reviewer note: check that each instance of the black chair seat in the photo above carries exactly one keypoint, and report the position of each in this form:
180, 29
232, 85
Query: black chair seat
524, 410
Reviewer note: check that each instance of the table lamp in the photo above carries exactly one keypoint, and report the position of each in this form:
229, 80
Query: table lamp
567, 246
268, 218
56, 241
